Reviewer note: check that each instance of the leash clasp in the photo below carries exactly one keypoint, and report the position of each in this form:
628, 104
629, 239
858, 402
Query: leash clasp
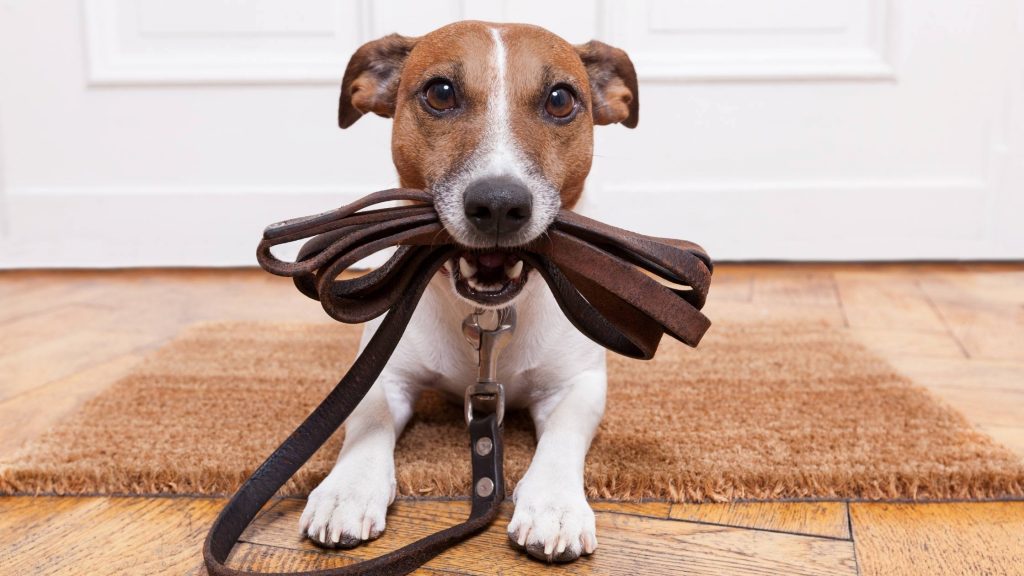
485, 398
487, 395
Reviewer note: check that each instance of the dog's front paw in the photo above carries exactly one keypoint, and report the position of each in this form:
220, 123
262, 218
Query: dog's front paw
551, 523
347, 509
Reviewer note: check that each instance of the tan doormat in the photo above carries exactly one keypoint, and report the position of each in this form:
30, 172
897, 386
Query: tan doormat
758, 412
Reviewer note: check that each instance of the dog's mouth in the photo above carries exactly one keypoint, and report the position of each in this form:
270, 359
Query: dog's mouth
490, 278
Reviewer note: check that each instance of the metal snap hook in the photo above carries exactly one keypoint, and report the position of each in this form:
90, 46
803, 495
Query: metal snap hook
487, 395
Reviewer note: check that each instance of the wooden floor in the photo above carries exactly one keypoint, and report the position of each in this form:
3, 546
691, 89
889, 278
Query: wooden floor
957, 329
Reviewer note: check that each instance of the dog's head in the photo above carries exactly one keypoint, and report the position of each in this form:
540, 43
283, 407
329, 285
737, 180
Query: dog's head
496, 120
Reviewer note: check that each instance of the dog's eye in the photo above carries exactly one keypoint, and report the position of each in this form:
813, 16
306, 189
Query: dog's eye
440, 95
561, 102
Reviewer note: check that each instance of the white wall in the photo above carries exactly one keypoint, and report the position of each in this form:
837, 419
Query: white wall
152, 132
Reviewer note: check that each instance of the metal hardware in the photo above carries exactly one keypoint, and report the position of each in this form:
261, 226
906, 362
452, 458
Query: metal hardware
485, 398
484, 487
484, 446
488, 342
487, 395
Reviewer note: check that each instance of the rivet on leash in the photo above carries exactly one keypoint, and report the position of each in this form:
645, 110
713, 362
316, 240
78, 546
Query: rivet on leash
485, 487
484, 446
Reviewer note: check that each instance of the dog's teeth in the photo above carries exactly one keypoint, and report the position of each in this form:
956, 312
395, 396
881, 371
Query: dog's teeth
515, 270
478, 287
466, 269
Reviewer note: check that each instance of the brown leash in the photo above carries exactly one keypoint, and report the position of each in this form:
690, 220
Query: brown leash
601, 276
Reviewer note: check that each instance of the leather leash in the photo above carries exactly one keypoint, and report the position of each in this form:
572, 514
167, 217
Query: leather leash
601, 276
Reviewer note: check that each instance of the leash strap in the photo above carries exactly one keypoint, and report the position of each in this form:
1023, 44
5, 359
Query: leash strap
601, 276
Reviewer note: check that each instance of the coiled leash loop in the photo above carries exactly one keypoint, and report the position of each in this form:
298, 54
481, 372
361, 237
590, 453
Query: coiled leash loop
602, 277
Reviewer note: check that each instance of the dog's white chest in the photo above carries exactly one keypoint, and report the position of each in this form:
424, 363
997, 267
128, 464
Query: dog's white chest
544, 350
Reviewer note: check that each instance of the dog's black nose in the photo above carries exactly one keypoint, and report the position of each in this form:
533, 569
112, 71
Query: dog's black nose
498, 206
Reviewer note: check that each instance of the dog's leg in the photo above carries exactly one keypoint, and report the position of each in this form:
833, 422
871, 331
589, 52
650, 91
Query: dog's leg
552, 519
350, 505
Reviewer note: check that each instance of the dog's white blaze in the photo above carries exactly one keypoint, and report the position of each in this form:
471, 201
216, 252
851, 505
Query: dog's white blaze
502, 158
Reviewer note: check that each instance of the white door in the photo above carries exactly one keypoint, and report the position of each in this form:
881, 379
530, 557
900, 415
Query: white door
149, 132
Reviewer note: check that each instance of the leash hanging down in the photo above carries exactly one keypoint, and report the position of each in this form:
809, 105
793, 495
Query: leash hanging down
601, 276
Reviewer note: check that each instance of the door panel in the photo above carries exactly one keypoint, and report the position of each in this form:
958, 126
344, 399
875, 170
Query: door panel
770, 129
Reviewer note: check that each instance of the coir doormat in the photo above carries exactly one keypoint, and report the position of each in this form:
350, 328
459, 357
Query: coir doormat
759, 411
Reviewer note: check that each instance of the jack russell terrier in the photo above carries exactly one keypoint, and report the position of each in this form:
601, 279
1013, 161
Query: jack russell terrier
496, 120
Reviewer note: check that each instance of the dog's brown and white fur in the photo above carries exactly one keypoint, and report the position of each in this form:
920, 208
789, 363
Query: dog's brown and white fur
498, 134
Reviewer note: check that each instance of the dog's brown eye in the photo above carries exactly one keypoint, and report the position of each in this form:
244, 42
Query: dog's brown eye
560, 103
440, 95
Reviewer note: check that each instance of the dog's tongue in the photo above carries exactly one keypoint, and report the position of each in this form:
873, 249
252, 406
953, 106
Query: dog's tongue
491, 259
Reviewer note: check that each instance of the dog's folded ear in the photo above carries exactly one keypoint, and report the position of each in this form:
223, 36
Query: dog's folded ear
371, 78
612, 84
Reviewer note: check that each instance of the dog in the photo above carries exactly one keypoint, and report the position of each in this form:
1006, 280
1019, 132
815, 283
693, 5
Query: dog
496, 120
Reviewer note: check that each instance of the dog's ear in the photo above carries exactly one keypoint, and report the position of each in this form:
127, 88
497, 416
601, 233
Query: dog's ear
371, 78
612, 84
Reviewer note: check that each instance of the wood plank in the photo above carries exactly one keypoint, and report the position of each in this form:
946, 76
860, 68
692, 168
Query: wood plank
76, 536
892, 342
30, 414
939, 539
799, 288
260, 558
628, 544
827, 519
11, 284
968, 373
732, 286
65, 355
989, 408
40, 295
1010, 436
652, 509
759, 312
159, 301
984, 311
886, 301
37, 328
